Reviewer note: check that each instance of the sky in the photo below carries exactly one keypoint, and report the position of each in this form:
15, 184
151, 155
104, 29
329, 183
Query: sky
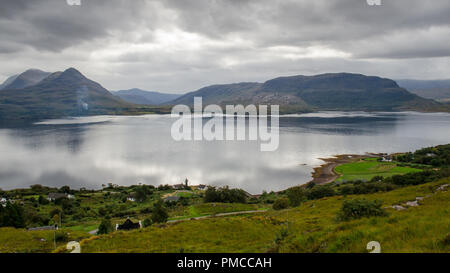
177, 46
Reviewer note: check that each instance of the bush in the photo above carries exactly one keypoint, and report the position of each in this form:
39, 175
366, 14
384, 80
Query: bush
12, 215
142, 193
296, 195
358, 208
105, 227
318, 192
42, 200
159, 214
147, 222
281, 203
61, 236
224, 195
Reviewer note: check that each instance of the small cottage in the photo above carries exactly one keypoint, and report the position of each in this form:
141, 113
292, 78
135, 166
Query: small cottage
129, 225
57, 195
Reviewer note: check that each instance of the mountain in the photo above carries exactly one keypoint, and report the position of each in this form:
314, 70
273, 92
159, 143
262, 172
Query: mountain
432, 89
139, 96
25, 79
8, 81
67, 93
332, 91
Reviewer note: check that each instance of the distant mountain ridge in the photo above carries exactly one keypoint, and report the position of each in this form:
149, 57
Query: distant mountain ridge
139, 96
331, 91
67, 93
47, 95
25, 79
431, 89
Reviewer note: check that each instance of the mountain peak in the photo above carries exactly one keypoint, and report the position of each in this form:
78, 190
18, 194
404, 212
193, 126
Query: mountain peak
72, 73
28, 78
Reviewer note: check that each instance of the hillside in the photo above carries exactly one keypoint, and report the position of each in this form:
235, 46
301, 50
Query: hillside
432, 89
67, 93
25, 79
312, 228
143, 97
338, 91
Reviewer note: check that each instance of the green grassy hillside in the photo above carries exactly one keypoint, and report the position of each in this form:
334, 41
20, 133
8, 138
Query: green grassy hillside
312, 227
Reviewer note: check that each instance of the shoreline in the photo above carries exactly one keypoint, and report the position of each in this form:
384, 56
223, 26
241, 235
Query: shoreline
326, 173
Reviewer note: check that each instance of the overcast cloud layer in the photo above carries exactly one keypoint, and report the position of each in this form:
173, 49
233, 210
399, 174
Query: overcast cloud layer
180, 45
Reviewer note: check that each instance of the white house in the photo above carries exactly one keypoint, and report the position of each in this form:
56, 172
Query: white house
3, 201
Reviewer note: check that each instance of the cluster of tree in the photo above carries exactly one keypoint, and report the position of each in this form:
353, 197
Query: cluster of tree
143, 192
436, 156
12, 215
225, 195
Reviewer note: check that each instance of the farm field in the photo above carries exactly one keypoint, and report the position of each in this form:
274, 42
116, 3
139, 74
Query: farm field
367, 169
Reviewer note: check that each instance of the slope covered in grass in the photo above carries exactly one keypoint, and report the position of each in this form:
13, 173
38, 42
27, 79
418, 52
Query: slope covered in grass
366, 170
311, 227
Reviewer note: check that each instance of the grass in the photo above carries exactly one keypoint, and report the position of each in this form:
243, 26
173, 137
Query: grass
23, 241
367, 169
205, 209
312, 228
184, 194
84, 227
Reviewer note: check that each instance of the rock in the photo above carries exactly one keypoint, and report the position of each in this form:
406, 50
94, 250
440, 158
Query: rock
442, 187
412, 203
419, 198
398, 207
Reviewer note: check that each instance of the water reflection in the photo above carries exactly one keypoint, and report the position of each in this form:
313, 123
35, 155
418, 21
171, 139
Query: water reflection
88, 152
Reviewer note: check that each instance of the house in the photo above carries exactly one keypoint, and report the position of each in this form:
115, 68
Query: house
131, 198
128, 225
201, 187
386, 159
57, 195
178, 186
172, 198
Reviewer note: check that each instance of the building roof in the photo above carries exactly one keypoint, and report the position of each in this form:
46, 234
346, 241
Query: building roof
128, 224
173, 198
57, 195
43, 228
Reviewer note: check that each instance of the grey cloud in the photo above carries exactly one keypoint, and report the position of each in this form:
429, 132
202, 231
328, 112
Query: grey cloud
239, 40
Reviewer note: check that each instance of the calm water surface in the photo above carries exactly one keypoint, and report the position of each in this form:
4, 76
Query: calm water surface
89, 152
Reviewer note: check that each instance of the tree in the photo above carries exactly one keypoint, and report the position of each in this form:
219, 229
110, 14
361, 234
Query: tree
281, 203
318, 192
147, 222
357, 208
225, 195
12, 215
142, 192
105, 226
296, 195
159, 214
42, 200
65, 189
